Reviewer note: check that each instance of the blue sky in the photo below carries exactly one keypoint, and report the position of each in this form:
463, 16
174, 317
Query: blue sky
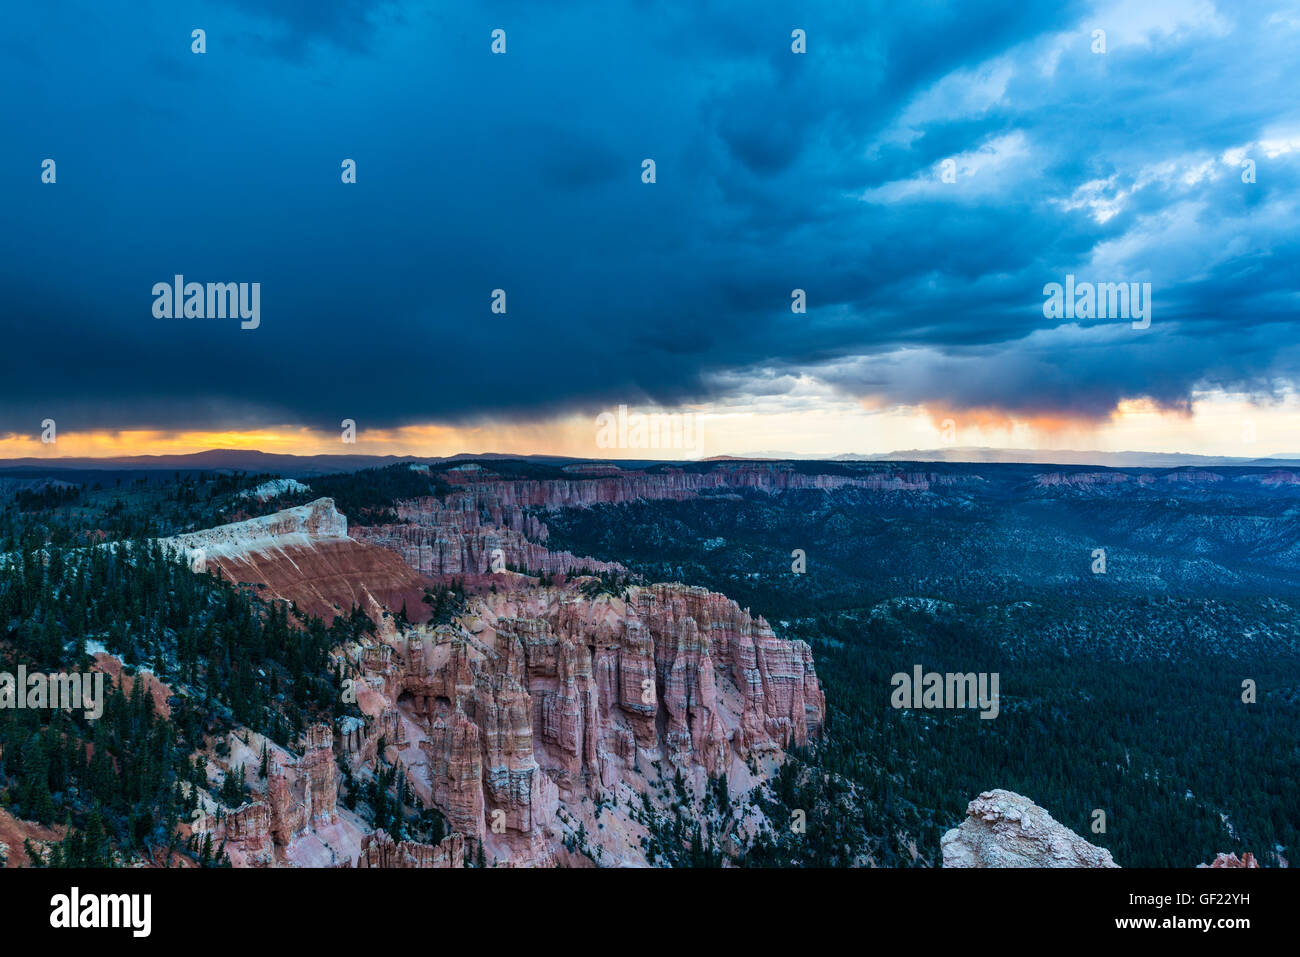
775, 171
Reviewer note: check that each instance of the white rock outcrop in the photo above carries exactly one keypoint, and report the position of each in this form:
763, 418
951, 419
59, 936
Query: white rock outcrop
1005, 829
303, 526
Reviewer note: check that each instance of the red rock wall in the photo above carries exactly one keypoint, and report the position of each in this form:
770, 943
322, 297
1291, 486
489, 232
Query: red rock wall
380, 850
555, 695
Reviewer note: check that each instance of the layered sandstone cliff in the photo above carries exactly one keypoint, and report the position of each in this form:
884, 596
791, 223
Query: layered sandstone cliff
547, 698
523, 718
298, 797
1110, 478
456, 535
304, 555
628, 485
442, 544
380, 850
1232, 861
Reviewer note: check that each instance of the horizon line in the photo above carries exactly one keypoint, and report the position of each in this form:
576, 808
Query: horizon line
936, 456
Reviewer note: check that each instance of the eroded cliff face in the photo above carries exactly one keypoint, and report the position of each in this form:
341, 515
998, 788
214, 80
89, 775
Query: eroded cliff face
380, 850
1232, 861
456, 535
1176, 477
293, 817
443, 540
305, 555
546, 700
598, 485
531, 715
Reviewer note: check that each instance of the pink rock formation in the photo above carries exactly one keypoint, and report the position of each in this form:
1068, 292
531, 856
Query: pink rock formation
318, 772
1231, 860
552, 696
380, 850
1275, 478
537, 699
1083, 479
629, 485
456, 535
298, 797
1105, 479
249, 828
453, 550
304, 555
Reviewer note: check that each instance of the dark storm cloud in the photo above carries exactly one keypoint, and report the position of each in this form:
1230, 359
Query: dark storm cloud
523, 172
290, 28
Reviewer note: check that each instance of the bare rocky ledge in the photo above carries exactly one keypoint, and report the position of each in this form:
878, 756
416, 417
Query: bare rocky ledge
1005, 829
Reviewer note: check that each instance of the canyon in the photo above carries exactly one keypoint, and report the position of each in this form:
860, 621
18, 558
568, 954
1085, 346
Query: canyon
457, 534
521, 702
528, 718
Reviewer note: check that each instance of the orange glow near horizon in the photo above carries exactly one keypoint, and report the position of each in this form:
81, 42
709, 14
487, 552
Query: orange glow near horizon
994, 420
573, 437
292, 440
1215, 424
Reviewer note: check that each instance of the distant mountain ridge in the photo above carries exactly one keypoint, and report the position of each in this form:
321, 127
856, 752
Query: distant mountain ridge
252, 460
979, 455
1127, 459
